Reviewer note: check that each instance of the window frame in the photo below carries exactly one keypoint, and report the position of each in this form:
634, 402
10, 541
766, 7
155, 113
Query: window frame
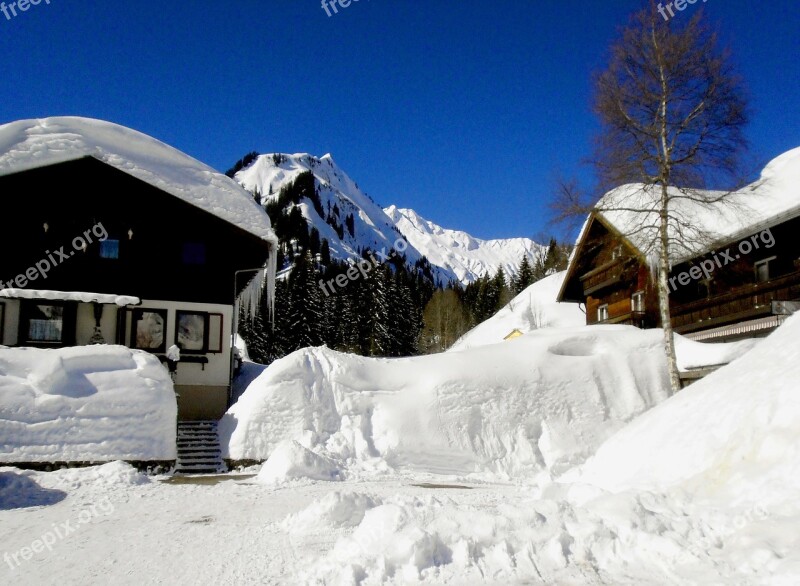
206, 327
103, 243
763, 263
602, 309
68, 317
136, 316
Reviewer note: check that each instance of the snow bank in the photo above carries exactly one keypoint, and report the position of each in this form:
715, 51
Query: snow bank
735, 430
97, 478
91, 403
535, 308
292, 461
407, 539
337, 510
389, 542
691, 354
18, 490
543, 402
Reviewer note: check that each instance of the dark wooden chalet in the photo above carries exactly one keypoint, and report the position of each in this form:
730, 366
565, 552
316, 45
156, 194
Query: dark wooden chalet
749, 292
105, 225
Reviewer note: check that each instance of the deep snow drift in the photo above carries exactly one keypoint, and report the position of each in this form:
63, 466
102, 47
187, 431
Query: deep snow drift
90, 403
543, 402
535, 308
737, 429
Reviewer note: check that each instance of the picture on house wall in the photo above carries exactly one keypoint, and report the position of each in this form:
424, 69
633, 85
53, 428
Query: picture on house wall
192, 331
149, 330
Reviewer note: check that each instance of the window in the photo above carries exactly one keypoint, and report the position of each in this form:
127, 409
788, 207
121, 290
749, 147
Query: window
194, 253
191, 331
149, 330
762, 270
637, 302
602, 313
109, 249
617, 252
46, 324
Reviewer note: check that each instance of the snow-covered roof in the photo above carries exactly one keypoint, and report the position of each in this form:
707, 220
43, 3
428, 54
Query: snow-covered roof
30, 144
83, 297
632, 210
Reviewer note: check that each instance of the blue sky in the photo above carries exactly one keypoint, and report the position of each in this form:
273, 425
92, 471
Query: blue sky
464, 110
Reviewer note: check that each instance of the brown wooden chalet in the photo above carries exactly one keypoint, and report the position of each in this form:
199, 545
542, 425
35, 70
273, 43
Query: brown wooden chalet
749, 292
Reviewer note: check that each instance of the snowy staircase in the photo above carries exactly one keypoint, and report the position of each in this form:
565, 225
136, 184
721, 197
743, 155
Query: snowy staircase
198, 448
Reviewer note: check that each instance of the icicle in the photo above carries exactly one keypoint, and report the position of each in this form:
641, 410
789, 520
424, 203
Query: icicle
250, 298
272, 269
653, 263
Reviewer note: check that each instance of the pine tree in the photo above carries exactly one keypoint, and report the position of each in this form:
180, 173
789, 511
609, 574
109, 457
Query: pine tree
325, 252
277, 333
305, 304
376, 318
556, 259
524, 275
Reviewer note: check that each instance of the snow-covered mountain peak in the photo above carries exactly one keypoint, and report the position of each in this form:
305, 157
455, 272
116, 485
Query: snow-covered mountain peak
467, 257
454, 255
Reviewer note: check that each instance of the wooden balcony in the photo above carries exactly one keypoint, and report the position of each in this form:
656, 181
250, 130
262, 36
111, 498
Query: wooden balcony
741, 303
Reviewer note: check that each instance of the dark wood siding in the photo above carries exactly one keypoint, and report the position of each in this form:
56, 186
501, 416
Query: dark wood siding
73, 197
610, 273
732, 294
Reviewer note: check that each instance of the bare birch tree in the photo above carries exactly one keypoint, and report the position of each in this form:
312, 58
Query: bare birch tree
672, 114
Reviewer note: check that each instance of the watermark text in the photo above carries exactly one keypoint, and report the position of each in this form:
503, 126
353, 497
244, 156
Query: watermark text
680, 5
55, 258
10, 10
59, 532
706, 267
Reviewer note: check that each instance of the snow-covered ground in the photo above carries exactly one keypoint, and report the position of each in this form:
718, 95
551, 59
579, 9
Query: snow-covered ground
535, 308
85, 404
700, 489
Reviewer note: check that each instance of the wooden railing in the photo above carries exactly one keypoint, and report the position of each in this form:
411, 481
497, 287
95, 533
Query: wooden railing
743, 302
